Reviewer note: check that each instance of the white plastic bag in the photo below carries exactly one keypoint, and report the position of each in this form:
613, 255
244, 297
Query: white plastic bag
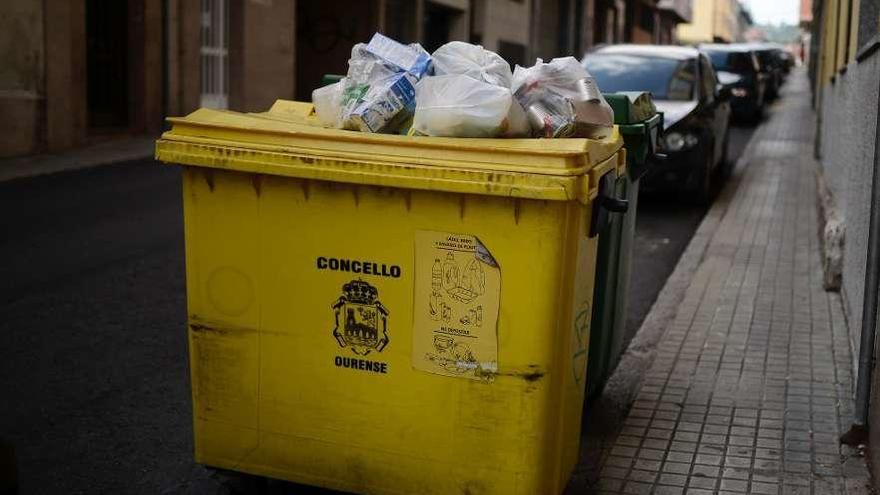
328, 103
458, 57
469, 96
461, 106
561, 99
518, 123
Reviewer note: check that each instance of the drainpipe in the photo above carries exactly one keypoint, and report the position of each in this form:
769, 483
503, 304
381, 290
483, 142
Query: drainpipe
859, 431
164, 67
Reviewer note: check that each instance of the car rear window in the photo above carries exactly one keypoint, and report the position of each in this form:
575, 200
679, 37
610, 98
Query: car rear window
665, 78
737, 62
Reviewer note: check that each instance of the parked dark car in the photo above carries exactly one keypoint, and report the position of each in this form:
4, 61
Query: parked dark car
739, 71
771, 64
695, 110
787, 61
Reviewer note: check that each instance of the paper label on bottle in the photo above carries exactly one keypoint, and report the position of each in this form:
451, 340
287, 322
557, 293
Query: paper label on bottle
455, 312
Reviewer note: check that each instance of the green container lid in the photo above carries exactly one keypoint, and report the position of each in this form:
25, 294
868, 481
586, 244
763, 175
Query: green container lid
631, 107
640, 125
329, 79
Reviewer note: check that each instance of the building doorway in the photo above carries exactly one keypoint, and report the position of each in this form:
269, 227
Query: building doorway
325, 33
441, 24
107, 64
215, 54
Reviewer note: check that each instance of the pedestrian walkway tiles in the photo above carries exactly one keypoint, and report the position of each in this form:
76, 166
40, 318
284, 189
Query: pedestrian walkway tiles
752, 381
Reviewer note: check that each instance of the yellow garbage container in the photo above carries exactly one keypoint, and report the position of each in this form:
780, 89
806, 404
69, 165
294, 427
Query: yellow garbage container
387, 314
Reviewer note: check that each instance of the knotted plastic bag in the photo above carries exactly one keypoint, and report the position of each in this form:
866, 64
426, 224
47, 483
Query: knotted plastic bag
561, 99
458, 57
469, 96
458, 105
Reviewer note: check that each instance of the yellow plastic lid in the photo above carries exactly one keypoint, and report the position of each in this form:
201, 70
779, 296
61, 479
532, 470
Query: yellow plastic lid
288, 141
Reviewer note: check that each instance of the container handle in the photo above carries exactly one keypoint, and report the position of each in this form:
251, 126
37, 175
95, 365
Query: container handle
613, 204
606, 202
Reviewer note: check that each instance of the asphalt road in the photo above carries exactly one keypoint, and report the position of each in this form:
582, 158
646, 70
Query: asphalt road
93, 363
664, 226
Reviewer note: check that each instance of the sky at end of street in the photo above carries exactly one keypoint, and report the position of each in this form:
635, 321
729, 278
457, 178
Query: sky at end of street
773, 11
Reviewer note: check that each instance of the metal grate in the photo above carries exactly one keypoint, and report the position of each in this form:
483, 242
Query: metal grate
215, 53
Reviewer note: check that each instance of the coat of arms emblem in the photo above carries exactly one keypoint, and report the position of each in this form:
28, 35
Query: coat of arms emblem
361, 320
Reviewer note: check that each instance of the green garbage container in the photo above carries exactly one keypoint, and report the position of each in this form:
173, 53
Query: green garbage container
330, 79
640, 125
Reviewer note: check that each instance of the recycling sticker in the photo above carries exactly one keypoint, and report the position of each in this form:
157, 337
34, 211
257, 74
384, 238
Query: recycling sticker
455, 312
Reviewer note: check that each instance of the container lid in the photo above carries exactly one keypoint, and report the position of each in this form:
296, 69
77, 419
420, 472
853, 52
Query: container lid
287, 141
631, 107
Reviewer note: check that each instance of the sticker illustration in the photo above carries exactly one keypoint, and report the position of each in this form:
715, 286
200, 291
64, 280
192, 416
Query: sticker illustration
581, 336
455, 313
361, 319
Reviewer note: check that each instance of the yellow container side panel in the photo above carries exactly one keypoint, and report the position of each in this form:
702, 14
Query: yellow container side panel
274, 392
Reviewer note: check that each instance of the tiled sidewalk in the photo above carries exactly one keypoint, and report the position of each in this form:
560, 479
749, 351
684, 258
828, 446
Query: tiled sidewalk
752, 382
119, 150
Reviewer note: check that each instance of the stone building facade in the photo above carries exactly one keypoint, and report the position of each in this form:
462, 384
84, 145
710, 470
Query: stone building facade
844, 67
73, 72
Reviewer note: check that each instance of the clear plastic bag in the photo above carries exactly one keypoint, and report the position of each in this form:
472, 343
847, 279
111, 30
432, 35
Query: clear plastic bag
458, 57
328, 104
561, 99
518, 124
469, 96
458, 105
378, 93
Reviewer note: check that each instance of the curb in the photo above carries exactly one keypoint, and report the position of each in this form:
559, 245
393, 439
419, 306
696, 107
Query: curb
608, 410
623, 385
99, 155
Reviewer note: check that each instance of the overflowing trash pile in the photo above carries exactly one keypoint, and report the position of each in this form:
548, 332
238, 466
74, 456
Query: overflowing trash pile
461, 90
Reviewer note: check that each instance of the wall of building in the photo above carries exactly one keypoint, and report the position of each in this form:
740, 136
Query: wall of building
563, 28
846, 98
712, 20
262, 62
43, 74
65, 117
847, 130
642, 22
585, 25
701, 27
276, 49
503, 26
145, 66
847, 62
326, 31
441, 21
608, 21
666, 30
726, 20
545, 28
22, 89
183, 58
